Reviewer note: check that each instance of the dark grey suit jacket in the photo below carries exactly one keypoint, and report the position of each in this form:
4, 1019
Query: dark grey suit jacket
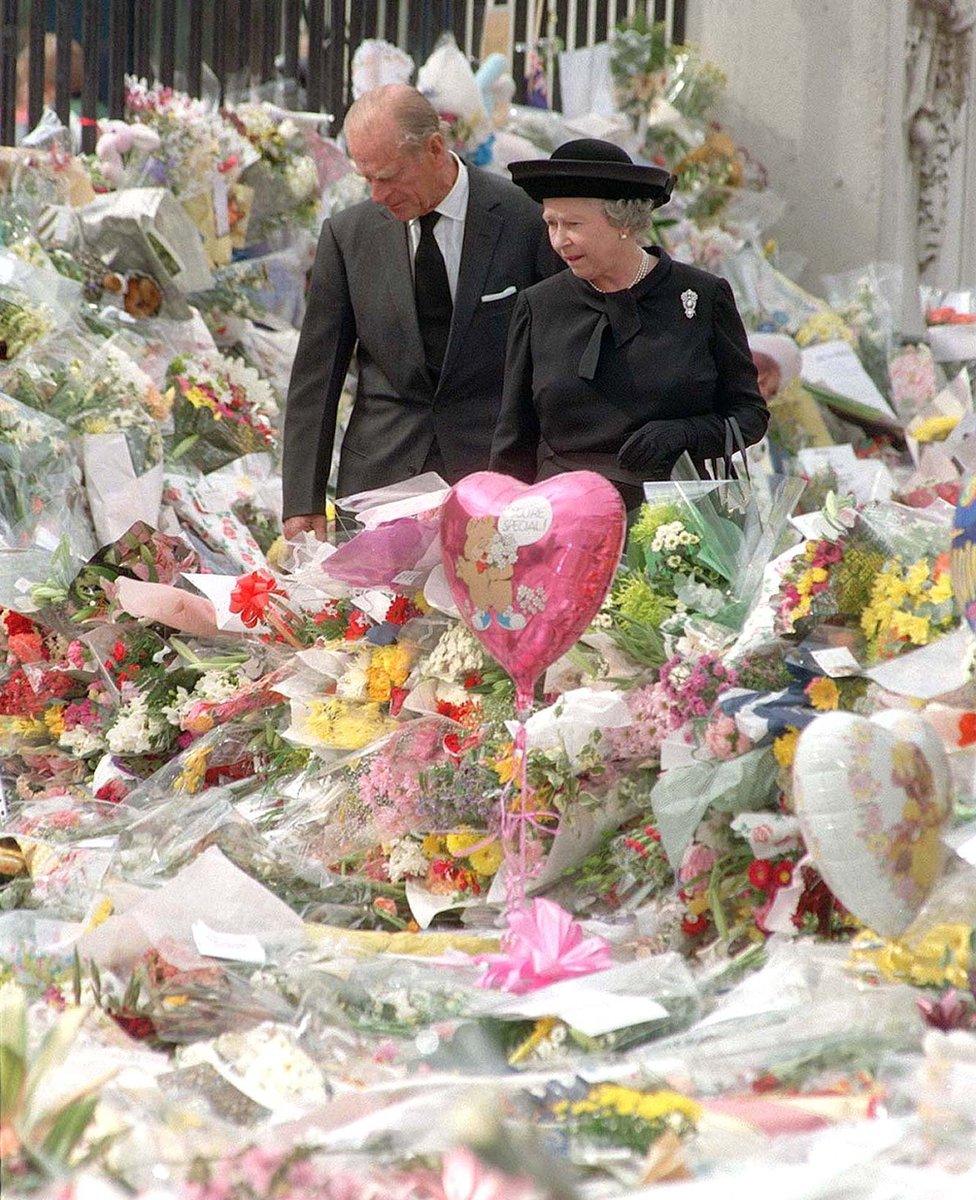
361, 298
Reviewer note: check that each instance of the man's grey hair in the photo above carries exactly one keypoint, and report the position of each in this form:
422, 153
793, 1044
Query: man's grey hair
413, 114
630, 216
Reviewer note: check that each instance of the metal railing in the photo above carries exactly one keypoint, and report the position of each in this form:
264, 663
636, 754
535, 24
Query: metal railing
65, 52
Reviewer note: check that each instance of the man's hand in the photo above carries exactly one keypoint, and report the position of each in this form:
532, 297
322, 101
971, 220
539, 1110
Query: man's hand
316, 523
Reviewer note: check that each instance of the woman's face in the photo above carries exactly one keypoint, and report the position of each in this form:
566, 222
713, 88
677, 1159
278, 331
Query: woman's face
583, 237
770, 376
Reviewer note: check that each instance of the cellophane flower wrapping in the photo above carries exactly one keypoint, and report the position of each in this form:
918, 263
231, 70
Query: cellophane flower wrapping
41, 499
222, 410
705, 543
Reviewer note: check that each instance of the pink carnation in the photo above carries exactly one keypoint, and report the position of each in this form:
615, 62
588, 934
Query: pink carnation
698, 861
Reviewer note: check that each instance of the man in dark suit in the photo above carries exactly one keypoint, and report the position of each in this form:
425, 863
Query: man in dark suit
420, 281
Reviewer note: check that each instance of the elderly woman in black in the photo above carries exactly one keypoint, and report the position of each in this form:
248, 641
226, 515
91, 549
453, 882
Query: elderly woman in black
628, 359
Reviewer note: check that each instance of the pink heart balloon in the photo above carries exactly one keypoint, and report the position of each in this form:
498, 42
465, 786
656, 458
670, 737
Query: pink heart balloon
530, 566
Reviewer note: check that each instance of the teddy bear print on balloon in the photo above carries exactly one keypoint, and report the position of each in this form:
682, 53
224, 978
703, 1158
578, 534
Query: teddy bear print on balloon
486, 568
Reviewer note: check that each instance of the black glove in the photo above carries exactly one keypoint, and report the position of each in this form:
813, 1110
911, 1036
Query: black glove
652, 451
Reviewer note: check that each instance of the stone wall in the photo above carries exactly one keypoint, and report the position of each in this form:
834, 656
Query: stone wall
809, 90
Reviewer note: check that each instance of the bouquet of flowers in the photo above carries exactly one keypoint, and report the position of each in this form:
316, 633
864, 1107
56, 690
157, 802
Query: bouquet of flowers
611, 1114
285, 178
222, 410
38, 474
22, 323
195, 144
697, 548
95, 395
883, 572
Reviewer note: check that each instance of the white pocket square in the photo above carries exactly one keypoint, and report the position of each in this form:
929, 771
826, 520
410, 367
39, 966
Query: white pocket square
509, 291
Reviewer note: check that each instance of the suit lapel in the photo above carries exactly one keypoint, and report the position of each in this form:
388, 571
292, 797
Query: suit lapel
482, 227
393, 263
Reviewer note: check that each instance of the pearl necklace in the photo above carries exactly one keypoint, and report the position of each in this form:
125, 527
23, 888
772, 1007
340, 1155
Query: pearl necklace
642, 271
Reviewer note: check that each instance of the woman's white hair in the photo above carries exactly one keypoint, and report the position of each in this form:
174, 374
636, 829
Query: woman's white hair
630, 216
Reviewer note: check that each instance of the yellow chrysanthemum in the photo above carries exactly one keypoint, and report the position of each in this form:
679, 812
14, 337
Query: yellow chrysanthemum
784, 748
340, 726
941, 958
388, 668
663, 1104
823, 694
432, 845
54, 720
461, 841
824, 326
488, 859
941, 590
917, 630
506, 765
630, 1102
917, 577
277, 553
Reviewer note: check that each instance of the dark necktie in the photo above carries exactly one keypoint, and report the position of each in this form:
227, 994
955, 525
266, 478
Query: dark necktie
433, 293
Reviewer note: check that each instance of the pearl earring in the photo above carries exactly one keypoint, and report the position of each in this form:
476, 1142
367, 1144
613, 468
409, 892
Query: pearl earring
623, 235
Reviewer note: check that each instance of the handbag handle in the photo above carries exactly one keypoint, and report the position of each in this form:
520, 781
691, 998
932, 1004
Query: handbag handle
722, 469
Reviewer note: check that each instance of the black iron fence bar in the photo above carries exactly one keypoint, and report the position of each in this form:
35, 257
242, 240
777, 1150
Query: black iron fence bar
361, 23
142, 19
243, 57
333, 60
89, 84
273, 40
316, 34
256, 56
249, 41
36, 65
290, 35
167, 42
194, 47
118, 47
63, 62
8, 72
219, 41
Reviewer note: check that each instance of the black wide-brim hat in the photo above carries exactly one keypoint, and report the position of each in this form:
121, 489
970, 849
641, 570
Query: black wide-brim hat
592, 168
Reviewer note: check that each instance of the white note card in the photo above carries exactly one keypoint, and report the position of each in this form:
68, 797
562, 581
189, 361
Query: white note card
589, 1009
835, 367
234, 947
836, 661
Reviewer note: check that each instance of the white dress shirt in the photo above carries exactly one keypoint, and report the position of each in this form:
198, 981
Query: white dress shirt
449, 230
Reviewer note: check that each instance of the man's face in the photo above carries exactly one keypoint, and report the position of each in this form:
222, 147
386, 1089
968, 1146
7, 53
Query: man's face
407, 179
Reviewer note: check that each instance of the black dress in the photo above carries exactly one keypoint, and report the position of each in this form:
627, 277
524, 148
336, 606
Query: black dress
623, 383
